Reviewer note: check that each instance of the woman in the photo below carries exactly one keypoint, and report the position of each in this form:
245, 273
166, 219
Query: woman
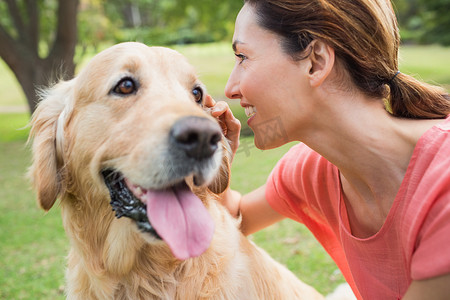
371, 179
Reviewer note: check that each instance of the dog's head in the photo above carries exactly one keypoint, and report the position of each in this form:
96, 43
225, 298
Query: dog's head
133, 122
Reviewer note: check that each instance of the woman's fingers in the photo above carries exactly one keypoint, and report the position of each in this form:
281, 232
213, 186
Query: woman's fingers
209, 101
231, 126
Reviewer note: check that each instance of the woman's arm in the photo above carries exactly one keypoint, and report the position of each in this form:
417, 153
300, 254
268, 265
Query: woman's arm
435, 288
253, 207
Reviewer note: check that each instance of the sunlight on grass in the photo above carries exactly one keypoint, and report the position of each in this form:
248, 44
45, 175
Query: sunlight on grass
429, 63
13, 127
10, 92
213, 64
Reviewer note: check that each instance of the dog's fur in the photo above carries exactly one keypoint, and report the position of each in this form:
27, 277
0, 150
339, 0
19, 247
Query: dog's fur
81, 128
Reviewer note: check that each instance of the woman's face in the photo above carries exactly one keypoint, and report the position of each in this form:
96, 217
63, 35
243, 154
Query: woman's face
272, 86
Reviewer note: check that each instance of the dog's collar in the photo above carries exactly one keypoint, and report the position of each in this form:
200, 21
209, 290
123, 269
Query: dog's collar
59, 136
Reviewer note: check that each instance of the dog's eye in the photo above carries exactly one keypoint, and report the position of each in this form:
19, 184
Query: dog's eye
125, 86
198, 94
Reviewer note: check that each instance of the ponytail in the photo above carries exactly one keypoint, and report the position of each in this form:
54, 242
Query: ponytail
411, 98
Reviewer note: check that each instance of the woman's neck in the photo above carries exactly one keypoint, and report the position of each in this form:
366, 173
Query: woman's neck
371, 149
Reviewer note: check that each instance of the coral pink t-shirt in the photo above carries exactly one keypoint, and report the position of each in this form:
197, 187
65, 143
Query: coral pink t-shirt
412, 244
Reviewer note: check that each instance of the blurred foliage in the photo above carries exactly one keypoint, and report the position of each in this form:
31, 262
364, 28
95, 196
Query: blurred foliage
436, 18
168, 22
162, 22
47, 21
424, 21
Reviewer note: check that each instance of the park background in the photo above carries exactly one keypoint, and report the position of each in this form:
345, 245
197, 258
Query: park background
35, 34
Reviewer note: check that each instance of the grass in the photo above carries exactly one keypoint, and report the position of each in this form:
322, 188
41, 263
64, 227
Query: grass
11, 94
213, 64
429, 63
13, 127
33, 244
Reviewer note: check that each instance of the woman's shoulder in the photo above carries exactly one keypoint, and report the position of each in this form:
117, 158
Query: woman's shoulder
436, 141
302, 166
445, 124
427, 180
301, 154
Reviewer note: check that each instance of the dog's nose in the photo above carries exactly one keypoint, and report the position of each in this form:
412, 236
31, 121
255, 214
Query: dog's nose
198, 137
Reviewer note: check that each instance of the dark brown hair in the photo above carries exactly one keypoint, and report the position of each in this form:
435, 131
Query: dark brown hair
365, 37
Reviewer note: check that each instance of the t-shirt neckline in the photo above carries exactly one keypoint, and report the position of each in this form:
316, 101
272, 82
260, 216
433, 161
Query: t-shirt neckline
344, 222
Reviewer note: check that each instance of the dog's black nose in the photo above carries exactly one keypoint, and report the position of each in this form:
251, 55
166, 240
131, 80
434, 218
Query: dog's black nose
198, 137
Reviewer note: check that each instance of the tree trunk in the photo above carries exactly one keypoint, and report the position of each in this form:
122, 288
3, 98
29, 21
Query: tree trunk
33, 74
131, 14
21, 54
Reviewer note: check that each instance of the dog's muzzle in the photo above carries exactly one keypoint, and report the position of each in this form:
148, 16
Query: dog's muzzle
167, 208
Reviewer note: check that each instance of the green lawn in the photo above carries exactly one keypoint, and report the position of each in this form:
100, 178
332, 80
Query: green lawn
33, 245
429, 63
10, 92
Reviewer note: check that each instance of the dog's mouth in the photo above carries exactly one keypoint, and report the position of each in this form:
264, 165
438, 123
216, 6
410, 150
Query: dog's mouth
125, 204
173, 214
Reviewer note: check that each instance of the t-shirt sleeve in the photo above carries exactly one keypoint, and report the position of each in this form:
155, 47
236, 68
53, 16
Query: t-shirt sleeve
432, 255
303, 186
279, 183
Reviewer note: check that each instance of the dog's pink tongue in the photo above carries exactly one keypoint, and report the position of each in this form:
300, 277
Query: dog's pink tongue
181, 220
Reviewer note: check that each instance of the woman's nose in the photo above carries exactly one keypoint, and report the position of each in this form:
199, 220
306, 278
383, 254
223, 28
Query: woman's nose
232, 88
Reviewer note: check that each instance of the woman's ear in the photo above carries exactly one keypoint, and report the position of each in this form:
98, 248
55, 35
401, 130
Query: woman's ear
322, 62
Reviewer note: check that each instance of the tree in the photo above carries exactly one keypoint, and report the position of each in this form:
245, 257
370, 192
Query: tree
437, 21
22, 37
424, 21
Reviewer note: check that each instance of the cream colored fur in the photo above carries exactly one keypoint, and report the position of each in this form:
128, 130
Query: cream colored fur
80, 128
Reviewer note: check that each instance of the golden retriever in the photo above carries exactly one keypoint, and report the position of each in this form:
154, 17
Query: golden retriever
137, 165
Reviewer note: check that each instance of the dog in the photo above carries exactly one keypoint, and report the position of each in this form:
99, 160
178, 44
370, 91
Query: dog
138, 165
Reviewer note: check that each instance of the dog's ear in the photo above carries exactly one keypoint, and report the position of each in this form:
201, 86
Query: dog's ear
47, 120
222, 180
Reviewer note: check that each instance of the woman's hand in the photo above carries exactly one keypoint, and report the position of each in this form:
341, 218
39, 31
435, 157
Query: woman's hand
231, 126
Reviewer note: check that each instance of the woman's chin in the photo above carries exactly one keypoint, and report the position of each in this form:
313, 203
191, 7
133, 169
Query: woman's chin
265, 143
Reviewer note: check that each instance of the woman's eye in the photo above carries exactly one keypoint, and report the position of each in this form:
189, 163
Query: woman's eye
125, 86
198, 94
241, 57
